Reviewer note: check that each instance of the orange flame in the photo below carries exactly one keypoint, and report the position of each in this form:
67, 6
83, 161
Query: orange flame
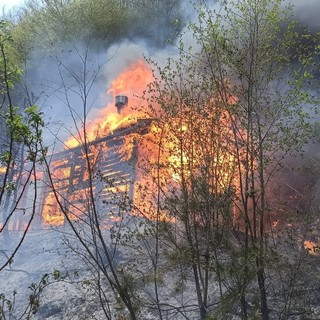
180, 150
3, 170
68, 181
173, 150
52, 215
130, 82
311, 247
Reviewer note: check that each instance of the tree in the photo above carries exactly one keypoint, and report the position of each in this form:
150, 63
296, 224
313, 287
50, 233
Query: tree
158, 21
223, 120
42, 25
78, 203
20, 151
252, 62
270, 119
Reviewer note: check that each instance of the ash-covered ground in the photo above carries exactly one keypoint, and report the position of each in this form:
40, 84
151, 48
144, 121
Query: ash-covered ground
71, 291
44, 252
72, 295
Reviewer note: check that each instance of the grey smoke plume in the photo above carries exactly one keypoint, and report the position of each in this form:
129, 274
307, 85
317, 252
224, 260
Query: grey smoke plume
52, 78
307, 12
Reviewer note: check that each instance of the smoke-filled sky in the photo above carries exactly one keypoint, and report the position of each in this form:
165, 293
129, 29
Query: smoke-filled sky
308, 13
9, 4
43, 75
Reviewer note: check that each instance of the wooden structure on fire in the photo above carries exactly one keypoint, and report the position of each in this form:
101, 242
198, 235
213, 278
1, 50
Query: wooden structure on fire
110, 179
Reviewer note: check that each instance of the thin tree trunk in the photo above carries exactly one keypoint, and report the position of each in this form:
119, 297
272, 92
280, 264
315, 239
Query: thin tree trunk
263, 294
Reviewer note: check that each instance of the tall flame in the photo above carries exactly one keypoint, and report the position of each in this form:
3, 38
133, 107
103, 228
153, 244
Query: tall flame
131, 82
173, 151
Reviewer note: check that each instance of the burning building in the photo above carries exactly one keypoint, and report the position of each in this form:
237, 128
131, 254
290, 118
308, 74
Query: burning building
125, 157
101, 166
103, 169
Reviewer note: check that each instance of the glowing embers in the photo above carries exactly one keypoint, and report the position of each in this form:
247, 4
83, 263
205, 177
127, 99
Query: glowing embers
66, 198
311, 247
58, 208
127, 149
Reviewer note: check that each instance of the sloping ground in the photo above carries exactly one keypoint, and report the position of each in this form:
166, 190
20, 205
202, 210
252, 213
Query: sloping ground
43, 252
74, 297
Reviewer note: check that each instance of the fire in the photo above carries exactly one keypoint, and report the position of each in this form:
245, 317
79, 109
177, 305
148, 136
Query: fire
126, 151
52, 214
311, 247
131, 82
3, 170
71, 180
181, 152
169, 153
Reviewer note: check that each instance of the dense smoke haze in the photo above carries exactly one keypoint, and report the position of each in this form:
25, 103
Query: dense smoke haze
54, 80
307, 13
44, 73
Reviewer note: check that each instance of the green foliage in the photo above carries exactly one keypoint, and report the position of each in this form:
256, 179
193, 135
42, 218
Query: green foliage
26, 131
8, 305
21, 138
13, 70
48, 25
241, 96
246, 92
158, 21
5, 157
18, 128
128, 288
